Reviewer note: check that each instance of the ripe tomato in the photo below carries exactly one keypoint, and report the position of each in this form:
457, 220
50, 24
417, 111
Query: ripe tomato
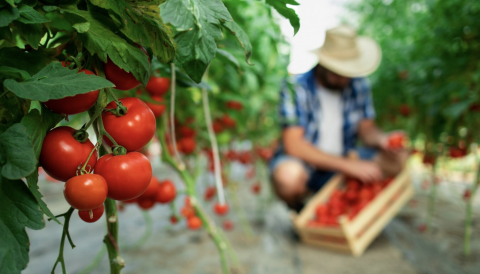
187, 145
127, 176
152, 190
194, 223
405, 110
145, 204
186, 132
256, 188
133, 130
234, 105
227, 121
456, 152
96, 214
158, 85
123, 80
209, 193
173, 219
166, 192
396, 140
228, 225
220, 209
187, 211
86, 191
245, 157
321, 210
157, 109
217, 127
62, 154
74, 104
467, 194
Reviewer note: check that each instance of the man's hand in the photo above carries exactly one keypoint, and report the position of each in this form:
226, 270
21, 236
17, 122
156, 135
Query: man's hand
392, 143
365, 171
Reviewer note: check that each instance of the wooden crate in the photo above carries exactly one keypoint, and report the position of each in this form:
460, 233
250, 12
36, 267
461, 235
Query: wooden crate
354, 236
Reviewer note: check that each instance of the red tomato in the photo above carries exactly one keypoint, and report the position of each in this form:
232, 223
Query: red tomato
120, 78
217, 127
228, 225
86, 191
256, 188
186, 132
365, 194
351, 195
187, 211
187, 145
405, 110
245, 157
194, 223
429, 159
396, 140
133, 130
146, 204
221, 209
158, 85
456, 152
152, 190
74, 104
131, 201
157, 109
353, 184
209, 193
166, 192
96, 214
62, 154
227, 121
173, 219
127, 176
321, 210
467, 194
234, 105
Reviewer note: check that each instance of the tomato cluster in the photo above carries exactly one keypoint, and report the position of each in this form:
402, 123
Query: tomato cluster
350, 201
157, 87
157, 192
396, 140
188, 211
457, 152
222, 123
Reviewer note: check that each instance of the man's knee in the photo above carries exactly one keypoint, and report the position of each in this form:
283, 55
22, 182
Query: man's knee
290, 179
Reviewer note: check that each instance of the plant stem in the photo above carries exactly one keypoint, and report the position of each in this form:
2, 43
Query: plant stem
468, 217
190, 185
98, 258
239, 210
60, 258
216, 159
172, 119
88, 159
148, 230
104, 132
432, 197
111, 239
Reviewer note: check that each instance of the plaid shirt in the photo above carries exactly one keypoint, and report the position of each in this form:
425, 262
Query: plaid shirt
304, 109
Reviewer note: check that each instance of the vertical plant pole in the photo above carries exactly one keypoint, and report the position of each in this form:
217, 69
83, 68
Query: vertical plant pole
468, 217
432, 197
189, 181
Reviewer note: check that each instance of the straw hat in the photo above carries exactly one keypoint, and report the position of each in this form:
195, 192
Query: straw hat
347, 54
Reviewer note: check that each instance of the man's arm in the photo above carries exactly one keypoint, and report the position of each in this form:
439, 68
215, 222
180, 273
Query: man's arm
371, 135
297, 146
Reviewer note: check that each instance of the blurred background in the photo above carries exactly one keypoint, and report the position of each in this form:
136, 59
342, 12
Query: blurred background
428, 85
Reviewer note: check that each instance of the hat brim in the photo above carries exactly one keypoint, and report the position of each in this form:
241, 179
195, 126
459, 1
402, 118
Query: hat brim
363, 65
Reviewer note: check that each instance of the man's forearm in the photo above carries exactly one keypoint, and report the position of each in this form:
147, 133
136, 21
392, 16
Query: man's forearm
312, 155
370, 134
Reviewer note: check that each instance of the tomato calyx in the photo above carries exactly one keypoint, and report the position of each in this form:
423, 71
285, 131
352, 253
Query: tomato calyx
119, 150
80, 135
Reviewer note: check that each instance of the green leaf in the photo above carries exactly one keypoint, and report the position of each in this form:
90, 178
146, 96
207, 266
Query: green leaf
101, 40
56, 82
32, 33
37, 126
8, 72
79, 23
12, 110
32, 61
454, 111
5, 34
242, 37
141, 22
281, 7
30, 16
7, 15
19, 210
17, 153
198, 24
227, 57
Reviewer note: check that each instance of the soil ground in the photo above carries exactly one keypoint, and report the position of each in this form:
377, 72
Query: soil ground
269, 248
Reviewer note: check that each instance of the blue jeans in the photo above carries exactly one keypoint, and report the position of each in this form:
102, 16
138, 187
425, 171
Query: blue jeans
317, 178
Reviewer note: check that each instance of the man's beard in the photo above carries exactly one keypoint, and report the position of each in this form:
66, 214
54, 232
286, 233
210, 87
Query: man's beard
322, 74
